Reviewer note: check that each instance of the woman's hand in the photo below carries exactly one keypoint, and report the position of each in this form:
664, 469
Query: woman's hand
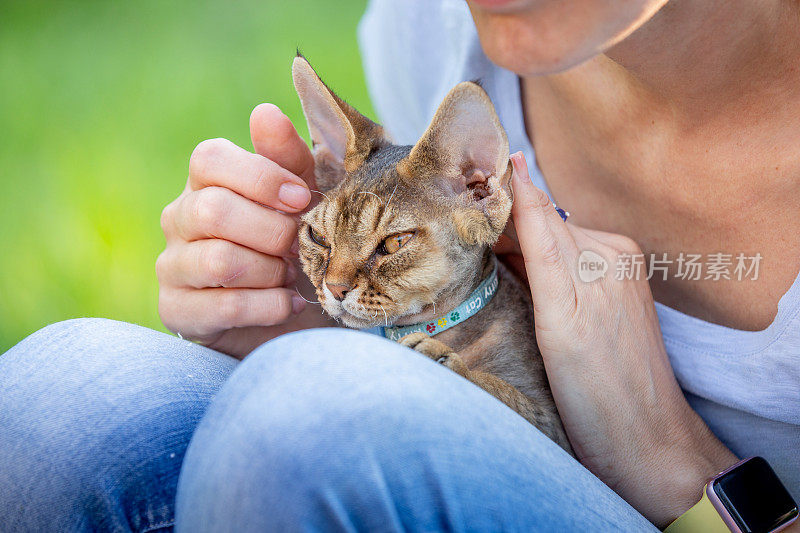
622, 408
227, 275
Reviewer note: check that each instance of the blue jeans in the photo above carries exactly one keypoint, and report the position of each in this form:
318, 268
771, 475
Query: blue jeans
106, 426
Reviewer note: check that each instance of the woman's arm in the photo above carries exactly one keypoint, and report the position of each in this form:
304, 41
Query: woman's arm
622, 408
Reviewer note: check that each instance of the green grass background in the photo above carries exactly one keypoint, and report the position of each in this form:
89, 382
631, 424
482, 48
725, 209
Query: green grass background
101, 103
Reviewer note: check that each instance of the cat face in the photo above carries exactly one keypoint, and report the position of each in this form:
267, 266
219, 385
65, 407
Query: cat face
378, 248
400, 229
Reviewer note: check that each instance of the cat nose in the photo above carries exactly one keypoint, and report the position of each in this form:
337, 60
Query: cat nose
338, 290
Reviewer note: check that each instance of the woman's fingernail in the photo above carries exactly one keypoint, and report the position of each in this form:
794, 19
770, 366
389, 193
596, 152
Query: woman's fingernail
519, 164
521, 174
291, 273
294, 195
295, 248
298, 304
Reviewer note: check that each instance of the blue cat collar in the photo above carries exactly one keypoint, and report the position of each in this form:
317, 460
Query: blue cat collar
476, 301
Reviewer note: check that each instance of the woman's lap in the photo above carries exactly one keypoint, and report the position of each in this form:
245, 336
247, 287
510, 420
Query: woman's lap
318, 428
96, 416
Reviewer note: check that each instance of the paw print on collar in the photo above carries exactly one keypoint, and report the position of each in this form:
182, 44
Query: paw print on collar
431, 327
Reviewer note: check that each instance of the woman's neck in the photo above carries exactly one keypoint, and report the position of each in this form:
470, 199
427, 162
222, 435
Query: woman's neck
704, 55
694, 60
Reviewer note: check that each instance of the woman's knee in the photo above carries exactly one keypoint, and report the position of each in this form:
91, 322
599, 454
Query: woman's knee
96, 415
98, 341
317, 423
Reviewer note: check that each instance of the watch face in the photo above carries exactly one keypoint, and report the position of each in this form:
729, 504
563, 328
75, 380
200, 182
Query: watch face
755, 497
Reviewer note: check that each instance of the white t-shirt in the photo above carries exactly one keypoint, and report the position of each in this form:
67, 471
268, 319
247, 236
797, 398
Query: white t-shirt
745, 385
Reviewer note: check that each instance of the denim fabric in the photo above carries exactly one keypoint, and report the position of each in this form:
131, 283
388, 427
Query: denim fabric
318, 430
95, 417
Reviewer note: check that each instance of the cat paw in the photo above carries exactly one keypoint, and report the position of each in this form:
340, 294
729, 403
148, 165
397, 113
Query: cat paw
426, 345
436, 350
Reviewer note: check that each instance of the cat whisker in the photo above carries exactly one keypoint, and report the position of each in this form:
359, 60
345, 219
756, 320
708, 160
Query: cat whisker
366, 312
304, 298
392, 195
322, 193
372, 193
385, 317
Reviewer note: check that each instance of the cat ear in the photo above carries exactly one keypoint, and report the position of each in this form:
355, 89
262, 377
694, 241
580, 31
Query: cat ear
465, 149
342, 137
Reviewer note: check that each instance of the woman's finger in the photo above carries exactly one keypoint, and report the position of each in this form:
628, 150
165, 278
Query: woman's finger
219, 162
216, 212
275, 137
560, 229
545, 262
218, 263
200, 313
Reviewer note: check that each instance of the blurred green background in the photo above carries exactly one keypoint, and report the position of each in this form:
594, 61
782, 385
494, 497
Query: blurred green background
101, 104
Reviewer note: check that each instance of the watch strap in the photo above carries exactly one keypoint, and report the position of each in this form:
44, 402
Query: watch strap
703, 517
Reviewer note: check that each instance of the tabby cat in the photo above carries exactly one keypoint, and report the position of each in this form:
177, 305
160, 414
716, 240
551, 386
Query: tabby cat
403, 236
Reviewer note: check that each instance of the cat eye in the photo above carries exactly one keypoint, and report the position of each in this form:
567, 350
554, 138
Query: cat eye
317, 237
394, 242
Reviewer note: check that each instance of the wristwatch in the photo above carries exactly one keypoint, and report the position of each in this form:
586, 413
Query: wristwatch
746, 498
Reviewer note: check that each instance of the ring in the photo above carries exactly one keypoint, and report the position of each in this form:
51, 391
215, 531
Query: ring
563, 214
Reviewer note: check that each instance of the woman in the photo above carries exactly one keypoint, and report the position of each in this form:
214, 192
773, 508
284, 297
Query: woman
673, 124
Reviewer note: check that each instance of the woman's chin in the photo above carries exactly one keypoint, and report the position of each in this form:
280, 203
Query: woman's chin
529, 55
551, 36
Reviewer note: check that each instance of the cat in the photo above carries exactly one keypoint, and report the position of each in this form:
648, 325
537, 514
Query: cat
403, 235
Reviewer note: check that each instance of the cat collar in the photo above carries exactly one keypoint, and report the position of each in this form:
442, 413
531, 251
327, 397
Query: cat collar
476, 301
